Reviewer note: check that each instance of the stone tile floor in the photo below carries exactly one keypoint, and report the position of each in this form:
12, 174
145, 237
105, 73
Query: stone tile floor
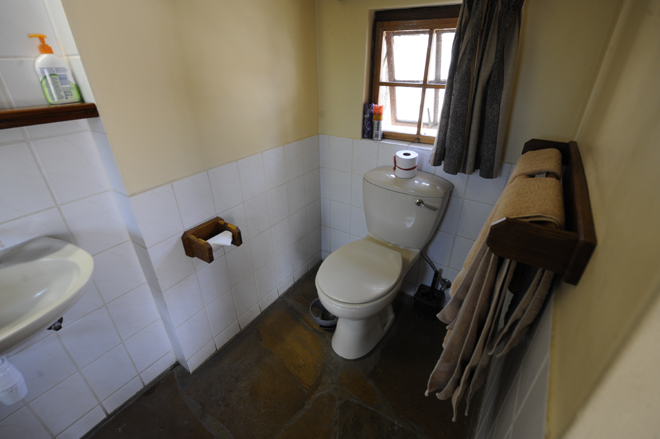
279, 378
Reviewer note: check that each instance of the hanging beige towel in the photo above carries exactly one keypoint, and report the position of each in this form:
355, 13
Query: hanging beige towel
477, 292
538, 162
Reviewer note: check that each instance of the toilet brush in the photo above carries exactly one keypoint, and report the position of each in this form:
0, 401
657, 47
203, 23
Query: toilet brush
428, 301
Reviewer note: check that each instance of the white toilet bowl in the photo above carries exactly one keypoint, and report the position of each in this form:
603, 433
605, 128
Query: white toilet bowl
358, 282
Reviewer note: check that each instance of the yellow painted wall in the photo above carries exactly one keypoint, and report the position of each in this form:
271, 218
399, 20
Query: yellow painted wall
619, 139
186, 86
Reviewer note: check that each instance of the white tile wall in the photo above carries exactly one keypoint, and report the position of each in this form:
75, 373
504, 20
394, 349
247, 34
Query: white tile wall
516, 391
54, 182
344, 161
274, 198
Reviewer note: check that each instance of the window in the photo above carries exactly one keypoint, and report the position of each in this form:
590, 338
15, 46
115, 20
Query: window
410, 62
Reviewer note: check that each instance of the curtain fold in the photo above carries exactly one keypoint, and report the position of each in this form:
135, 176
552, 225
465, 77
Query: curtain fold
476, 104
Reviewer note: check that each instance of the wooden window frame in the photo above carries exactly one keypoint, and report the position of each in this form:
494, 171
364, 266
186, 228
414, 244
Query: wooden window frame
426, 20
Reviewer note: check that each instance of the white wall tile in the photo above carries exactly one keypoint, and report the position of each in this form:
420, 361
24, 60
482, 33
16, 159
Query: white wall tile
109, 162
314, 240
95, 123
340, 216
148, 345
245, 295
252, 173
473, 217
239, 264
266, 278
313, 213
221, 313
58, 416
184, 300
157, 214
449, 222
325, 182
485, 190
226, 187
298, 224
340, 187
201, 356
193, 196
170, 262
22, 187
146, 264
110, 372
96, 223
90, 337
161, 365
311, 153
214, 280
530, 419
133, 311
122, 395
10, 135
268, 300
194, 334
296, 194
284, 285
439, 249
45, 223
283, 266
341, 154
250, 315
22, 81
18, 21
56, 129
299, 272
358, 222
326, 211
386, 151
261, 247
294, 160
338, 239
227, 334
324, 150
274, 167
459, 252
117, 271
278, 204
43, 365
90, 301
326, 238
365, 156
256, 211
281, 233
312, 185
85, 424
22, 425
299, 253
356, 191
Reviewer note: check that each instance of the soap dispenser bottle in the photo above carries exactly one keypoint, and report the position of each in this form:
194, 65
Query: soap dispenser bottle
55, 76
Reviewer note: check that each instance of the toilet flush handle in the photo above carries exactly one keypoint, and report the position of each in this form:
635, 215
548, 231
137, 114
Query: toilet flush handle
421, 203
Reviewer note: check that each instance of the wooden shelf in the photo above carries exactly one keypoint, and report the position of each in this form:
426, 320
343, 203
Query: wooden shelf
21, 117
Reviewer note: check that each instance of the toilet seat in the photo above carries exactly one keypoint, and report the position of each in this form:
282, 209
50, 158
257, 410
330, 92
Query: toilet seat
360, 272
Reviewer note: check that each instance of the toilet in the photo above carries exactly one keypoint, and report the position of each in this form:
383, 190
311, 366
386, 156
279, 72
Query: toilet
358, 282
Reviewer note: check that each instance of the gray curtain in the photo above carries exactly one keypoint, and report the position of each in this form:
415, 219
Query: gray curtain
476, 105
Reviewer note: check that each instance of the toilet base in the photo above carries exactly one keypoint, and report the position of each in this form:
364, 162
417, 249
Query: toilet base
356, 338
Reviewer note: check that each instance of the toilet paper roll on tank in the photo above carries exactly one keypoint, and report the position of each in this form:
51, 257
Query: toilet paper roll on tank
405, 163
221, 240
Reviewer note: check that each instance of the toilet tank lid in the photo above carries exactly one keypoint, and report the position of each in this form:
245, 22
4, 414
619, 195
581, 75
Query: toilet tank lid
423, 184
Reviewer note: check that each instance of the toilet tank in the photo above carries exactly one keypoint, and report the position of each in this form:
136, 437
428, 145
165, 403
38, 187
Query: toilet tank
391, 210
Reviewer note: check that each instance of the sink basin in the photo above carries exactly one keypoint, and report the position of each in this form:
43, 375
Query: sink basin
39, 280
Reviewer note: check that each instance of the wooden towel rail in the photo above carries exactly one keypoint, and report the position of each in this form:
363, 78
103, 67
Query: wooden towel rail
562, 251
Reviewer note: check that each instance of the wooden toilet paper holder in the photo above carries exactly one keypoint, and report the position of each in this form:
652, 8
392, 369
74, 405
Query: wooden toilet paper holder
195, 240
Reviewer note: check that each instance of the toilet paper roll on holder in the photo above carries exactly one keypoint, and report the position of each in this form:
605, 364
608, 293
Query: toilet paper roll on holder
195, 240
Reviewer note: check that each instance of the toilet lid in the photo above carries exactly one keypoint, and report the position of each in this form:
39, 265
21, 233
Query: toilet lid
359, 272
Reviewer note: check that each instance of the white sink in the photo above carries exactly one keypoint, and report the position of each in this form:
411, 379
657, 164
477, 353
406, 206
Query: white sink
39, 280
